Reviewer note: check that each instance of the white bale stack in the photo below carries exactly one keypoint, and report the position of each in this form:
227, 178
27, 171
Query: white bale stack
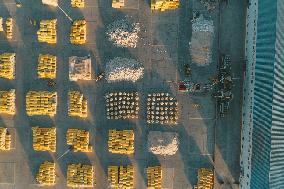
123, 69
1, 24
163, 143
50, 2
123, 33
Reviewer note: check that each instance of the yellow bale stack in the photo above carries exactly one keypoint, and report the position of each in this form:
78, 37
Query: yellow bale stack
47, 31
1, 25
46, 174
41, 103
80, 175
9, 28
44, 139
78, 3
79, 139
77, 104
46, 66
117, 4
78, 35
121, 177
7, 102
5, 139
7, 65
121, 142
154, 177
163, 5
205, 179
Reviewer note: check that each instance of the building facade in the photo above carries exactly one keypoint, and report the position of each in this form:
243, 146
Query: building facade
262, 153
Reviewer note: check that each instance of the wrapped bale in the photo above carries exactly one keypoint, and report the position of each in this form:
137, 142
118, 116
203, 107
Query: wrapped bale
41, 103
7, 65
44, 139
121, 177
7, 102
78, 35
5, 139
79, 139
77, 104
46, 174
121, 142
47, 32
46, 66
79, 175
123, 69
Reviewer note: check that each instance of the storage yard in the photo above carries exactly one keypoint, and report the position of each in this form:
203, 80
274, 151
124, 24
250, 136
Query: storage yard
90, 96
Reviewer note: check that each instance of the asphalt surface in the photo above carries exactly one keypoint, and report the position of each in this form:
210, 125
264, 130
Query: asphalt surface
163, 49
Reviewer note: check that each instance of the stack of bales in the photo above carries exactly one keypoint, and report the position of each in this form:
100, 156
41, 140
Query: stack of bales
79, 139
7, 65
78, 35
46, 66
47, 31
5, 139
122, 105
1, 24
46, 174
50, 2
121, 176
163, 5
9, 28
154, 177
7, 102
117, 4
79, 68
44, 139
205, 179
41, 103
77, 105
162, 108
79, 175
78, 3
121, 142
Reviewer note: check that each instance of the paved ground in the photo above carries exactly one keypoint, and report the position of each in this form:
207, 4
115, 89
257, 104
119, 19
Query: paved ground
163, 50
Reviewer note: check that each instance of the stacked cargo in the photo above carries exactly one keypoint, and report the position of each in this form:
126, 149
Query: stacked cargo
122, 105
9, 28
80, 175
78, 35
7, 102
47, 31
79, 68
44, 139
121, 142
41, 103
121, 177
5, 139
77, 105
162, 108
46, 174
79, 140
117, 4
7, 65
205, 179
154, 177
78, 3
163, 5
46, 66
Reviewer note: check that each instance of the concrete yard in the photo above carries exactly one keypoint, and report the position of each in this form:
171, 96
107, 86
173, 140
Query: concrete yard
205, 140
